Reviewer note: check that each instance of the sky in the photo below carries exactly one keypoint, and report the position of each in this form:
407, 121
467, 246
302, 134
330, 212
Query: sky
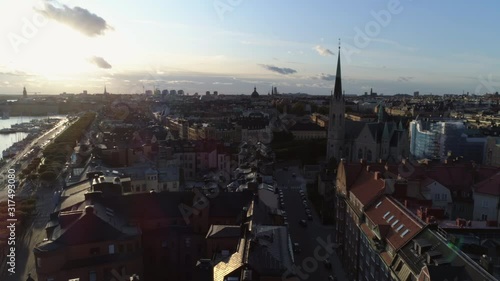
230, 46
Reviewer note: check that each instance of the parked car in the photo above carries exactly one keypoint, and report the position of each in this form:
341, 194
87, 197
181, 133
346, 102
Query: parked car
296, 248
327, 263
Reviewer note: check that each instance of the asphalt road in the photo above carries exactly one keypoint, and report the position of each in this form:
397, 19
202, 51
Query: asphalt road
42, 141
35, 234
310, 262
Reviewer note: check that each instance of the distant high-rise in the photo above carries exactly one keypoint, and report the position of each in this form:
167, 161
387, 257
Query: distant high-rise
105, 92
25, 94
164, 92
336, 122
416, 93
180, 92
173, 92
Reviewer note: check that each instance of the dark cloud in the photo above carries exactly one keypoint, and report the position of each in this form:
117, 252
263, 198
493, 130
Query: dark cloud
325, 76
100, 62
78, 18
323, 51
404, 78
280, 70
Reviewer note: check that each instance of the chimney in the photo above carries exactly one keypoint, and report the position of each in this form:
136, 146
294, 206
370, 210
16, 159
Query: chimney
92, 196
377, 175
362, 161
367, 168
89, 209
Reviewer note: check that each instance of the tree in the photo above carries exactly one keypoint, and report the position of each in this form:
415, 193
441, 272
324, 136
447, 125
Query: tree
298, 108
48, 176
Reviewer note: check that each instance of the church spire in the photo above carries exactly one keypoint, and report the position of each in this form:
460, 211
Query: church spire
337, 91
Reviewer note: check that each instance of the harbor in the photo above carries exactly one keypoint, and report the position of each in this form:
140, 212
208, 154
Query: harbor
17, 134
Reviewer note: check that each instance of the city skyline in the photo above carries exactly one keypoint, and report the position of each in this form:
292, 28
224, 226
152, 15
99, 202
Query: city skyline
229, 46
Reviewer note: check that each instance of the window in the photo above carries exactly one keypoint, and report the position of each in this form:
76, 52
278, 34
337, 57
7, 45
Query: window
485, 204
399, 228
120, 248
484, 217
386, 214
111, 249
92, 276
394, 223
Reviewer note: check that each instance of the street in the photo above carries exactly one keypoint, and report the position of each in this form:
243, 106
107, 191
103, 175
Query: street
47, 136
309, 266
35, 234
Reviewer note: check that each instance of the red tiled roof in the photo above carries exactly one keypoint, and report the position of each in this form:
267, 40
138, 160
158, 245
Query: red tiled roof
387, 258
485, 172
453, 177
489, 186
352, 171
402, 217
366, 188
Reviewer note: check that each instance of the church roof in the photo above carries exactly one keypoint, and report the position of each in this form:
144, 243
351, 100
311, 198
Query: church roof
254, 93
337, 90
353, 128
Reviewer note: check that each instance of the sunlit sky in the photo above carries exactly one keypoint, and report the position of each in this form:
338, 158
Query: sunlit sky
392, 46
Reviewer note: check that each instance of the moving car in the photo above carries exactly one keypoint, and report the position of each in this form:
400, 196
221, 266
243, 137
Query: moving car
303, 223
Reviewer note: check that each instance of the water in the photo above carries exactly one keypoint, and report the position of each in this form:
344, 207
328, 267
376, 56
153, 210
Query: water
6, 140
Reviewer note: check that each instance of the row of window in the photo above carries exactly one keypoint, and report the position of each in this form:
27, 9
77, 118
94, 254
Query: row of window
122, 248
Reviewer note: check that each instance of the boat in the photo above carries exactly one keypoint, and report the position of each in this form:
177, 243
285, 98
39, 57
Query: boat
7, 131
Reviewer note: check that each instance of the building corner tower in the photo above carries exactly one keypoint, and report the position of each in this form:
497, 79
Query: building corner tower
336, 122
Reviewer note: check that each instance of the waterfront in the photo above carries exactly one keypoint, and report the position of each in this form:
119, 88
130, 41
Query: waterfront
6, 140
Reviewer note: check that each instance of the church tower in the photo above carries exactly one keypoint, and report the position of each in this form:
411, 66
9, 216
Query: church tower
25, 94
336, 122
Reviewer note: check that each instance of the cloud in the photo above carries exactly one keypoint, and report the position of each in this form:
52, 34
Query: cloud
323, 51
324, 76
184, 82
100, 62
280, 70
404, 78
14, 73
78, 18
222, 83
